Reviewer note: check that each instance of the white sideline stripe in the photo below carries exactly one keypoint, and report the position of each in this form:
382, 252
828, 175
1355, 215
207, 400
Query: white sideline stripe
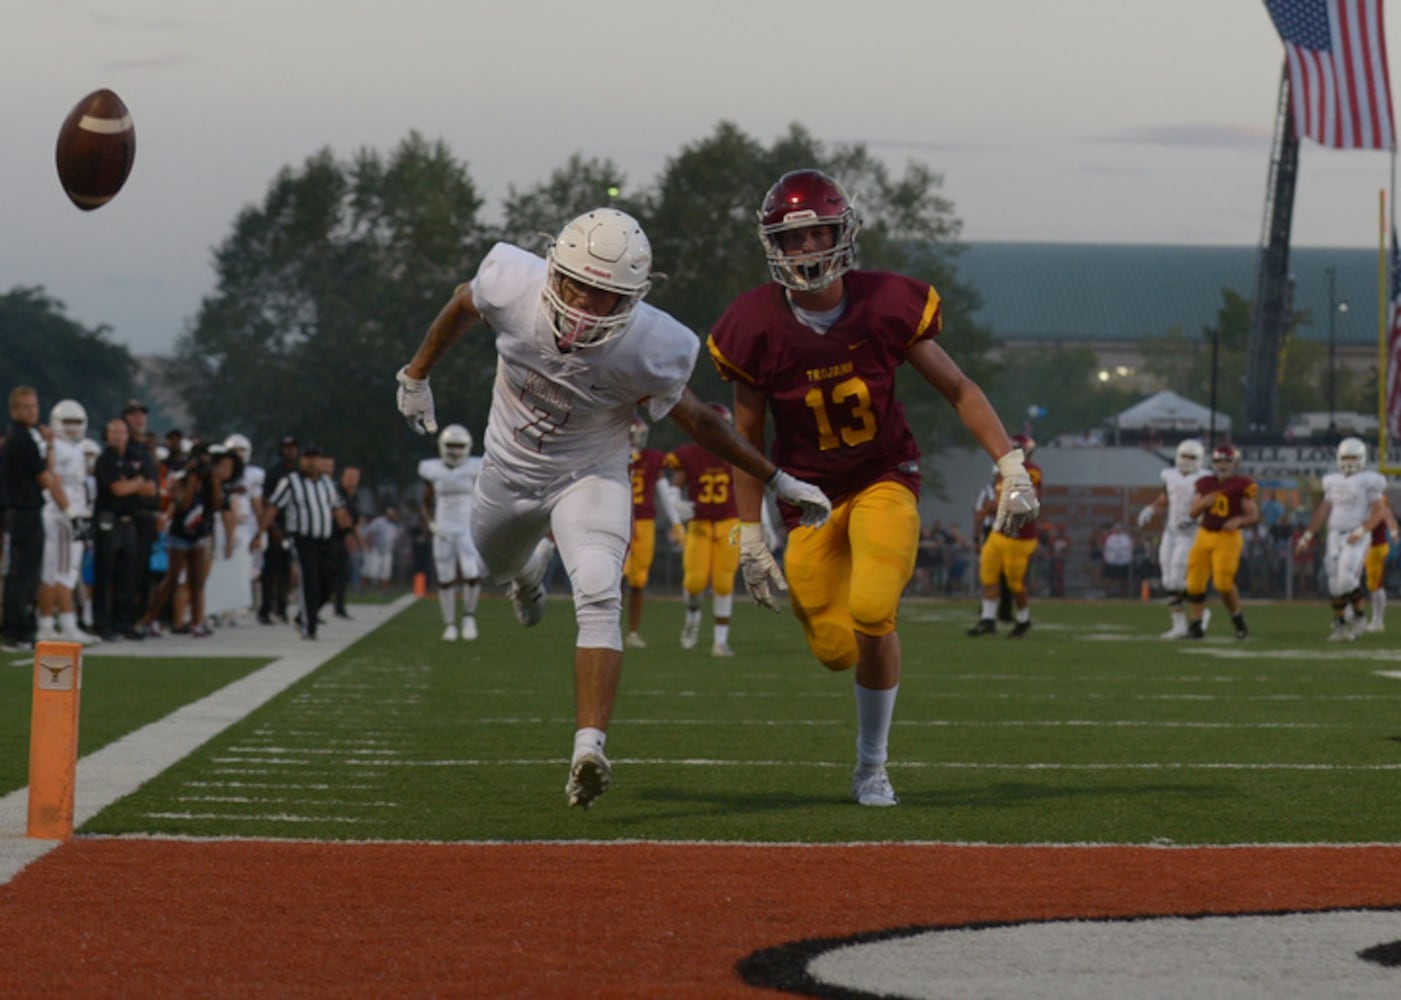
256, 817
119, 768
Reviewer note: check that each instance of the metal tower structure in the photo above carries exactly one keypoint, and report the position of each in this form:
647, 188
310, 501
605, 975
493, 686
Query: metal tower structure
1273, 290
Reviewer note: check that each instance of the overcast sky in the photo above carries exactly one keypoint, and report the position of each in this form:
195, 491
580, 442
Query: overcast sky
1054, 120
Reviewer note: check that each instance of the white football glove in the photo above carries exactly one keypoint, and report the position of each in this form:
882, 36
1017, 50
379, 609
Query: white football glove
1145, 515
1356, 535
415, 400
1017, 505
1305, 540
762, 576
813, 503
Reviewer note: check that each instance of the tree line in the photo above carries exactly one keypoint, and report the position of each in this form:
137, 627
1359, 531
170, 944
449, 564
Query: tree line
327, 285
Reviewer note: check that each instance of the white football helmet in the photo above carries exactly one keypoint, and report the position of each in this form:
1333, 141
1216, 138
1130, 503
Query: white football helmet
637, 433
1189, 456
240, 444
69, 420
605, 249
454, 444
1352, 455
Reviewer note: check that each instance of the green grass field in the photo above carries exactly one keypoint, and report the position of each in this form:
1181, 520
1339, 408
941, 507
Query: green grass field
1091, 730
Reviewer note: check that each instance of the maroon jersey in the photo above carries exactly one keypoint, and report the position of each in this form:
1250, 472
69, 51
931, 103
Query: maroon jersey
1231, 501
645, 467
1379, 535
837, 421
710, 482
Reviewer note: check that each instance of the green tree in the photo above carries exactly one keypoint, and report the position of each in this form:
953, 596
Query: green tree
1061, 380
322, 289
45, 349
536, 214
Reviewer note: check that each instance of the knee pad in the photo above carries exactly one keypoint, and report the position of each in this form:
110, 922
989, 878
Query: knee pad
834, 646
598, 608
1197, 598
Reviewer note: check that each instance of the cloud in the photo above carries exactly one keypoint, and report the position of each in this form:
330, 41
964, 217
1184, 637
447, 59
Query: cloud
1197, 136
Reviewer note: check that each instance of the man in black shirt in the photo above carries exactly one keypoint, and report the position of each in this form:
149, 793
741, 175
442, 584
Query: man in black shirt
27, 473
347, 538
137, 419
126, 480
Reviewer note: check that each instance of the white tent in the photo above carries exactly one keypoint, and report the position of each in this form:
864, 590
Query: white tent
1167, 411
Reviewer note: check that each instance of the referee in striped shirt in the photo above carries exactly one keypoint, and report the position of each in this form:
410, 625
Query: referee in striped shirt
313, 508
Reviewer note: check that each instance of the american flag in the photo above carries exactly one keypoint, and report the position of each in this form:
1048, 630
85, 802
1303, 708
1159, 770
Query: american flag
1393, 350
1336, 52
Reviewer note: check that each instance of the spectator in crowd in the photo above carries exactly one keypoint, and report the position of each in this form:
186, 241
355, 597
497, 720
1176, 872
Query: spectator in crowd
347, 540
1060, 552
27, 472
1117, 552
277, 557
137, 418
246, 502
125, 477
381, 539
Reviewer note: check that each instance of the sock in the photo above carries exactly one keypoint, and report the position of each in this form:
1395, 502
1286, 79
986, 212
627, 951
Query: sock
989, 609
471, 592
722, 634
1179, 621
1378, 605
693, 616
693, 607
68, 622
1024, 614
447, 600
874, 710
587, 739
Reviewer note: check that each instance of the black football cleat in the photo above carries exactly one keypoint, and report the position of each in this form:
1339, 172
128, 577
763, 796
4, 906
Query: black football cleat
985, 626
1195, 631
1019, 630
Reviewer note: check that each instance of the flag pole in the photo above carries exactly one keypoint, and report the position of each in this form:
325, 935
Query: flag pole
1382, 369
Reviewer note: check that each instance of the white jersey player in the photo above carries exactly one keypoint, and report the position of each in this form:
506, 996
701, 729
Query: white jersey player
450, 481
578, 353
66, 517
246, 500
1179, 528
1354, 502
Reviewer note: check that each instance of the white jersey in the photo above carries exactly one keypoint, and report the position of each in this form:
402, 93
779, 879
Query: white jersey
1181, 488
556, 416
246, 519
1350, 498
70, 466
453, 488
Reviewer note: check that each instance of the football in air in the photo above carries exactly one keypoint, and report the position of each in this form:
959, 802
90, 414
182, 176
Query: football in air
96, 147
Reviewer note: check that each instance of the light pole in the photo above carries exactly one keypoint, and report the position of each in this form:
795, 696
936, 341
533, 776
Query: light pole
1334, 307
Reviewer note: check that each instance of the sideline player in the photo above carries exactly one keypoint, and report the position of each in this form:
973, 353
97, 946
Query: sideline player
450, 480
579, 353
1179, 488
1353, 504
650, 490
819, 347
711, 554
1383, 535
1224, 504
1006, 556
66, 525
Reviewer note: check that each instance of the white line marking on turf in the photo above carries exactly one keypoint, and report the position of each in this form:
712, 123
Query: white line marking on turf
121, 767
912, 765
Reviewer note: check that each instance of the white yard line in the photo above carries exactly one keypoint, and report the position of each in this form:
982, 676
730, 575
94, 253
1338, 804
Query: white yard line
121, 767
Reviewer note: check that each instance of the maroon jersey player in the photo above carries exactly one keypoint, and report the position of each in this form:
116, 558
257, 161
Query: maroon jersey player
711, 552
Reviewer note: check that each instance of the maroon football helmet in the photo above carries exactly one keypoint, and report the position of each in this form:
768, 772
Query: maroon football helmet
800, 199
1224, 459
1025, 442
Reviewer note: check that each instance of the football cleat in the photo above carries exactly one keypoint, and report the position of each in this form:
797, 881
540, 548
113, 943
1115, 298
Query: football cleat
589, 777
450, 634
871, 787
527, 591
1175, 632
634, 640
469, 628
1020, 629
1339, 633
722, 650
1241, 631
1374, 626
985, 626
1357, 626
690, 634
1196, 631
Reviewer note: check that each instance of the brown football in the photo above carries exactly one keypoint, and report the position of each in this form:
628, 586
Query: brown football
96, 147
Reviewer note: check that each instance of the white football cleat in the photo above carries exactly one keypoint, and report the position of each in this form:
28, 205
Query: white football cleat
1356, 627
1175, 633
635, 641
871, 787
1374, 626
450, 634
589, 777
690, 634
722, 650
469, 628
527, 591
1206, 618
1340, 633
